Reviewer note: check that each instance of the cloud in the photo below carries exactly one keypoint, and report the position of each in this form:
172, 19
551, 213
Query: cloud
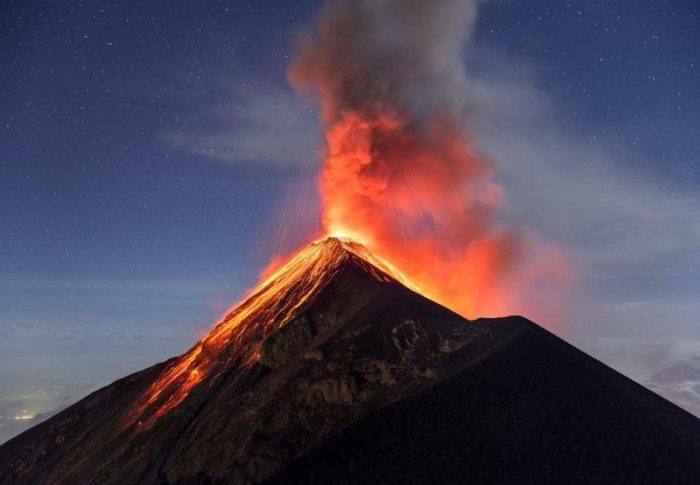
679, 383
590, 192
669, 367
629, 237
201, 285
387, 57
259, 125
37, 334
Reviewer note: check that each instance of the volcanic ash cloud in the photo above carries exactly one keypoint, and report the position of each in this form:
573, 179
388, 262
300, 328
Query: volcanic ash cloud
400, 172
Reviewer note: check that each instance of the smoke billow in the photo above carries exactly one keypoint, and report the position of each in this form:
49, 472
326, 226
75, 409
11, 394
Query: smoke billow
400, 173
404, 55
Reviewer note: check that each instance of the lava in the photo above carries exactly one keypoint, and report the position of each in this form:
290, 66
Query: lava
235, 341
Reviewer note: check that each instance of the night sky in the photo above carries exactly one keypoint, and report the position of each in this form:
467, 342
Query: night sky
153, 159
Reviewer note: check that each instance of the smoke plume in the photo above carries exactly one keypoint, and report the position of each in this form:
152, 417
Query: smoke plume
400, 173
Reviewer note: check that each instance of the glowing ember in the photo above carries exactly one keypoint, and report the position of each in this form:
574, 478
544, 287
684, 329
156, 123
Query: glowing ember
236, 340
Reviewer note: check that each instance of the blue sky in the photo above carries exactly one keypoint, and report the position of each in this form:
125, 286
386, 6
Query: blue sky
153, 158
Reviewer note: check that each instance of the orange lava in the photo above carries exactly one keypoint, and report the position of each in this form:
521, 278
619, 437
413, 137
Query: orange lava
235, 341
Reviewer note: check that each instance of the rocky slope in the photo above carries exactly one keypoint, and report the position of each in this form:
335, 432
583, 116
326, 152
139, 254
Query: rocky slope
332, 370
536, 410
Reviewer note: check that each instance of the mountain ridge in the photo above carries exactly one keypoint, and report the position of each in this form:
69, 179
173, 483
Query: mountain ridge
631, 436
317, 351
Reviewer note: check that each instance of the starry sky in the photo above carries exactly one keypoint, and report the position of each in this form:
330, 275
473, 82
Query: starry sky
153, 158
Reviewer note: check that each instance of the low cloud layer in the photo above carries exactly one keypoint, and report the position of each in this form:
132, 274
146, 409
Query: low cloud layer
679, 383
669, 367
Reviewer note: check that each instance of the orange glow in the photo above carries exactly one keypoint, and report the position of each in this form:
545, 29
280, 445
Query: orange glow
424, 200
419, 197
400, 176
401, 172
235, 340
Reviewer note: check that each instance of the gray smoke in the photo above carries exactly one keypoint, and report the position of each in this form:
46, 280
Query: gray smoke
403, 56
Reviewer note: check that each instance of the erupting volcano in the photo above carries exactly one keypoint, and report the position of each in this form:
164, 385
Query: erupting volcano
333, 370
353, 361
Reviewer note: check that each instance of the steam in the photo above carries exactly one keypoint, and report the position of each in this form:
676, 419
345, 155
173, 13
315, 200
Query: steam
400, 172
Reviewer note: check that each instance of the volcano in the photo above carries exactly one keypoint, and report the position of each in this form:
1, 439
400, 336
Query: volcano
335, 370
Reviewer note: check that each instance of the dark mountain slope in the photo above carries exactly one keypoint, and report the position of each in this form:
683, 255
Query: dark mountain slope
537, 410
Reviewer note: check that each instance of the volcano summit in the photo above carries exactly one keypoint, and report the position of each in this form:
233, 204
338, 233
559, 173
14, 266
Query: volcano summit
333, 370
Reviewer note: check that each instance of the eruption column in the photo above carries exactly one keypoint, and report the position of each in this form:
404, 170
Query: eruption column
400, 172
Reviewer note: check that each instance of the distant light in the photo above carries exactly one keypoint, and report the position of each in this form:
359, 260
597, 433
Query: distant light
23, 417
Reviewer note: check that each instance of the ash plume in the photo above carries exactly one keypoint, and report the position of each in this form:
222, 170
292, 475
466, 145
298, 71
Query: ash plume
399, 54
400, 172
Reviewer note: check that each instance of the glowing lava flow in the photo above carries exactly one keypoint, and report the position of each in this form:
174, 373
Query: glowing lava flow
236, 340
